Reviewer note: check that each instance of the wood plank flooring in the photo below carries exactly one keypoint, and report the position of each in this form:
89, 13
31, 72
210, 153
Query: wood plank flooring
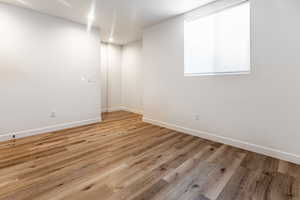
124, 158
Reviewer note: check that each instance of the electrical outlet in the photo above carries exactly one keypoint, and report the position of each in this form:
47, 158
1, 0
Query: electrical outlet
53, 114
197, 117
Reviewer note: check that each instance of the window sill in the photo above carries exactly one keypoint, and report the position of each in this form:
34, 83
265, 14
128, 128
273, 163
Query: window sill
217, 74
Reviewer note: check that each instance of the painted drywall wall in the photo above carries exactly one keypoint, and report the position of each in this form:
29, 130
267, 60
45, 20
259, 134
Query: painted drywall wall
49, 73
258, 112
111, 67
132, 88
121, 68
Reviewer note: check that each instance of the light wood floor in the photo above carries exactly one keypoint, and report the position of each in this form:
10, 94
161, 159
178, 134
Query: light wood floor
124, 158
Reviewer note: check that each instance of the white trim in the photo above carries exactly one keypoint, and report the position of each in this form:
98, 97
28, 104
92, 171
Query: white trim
27, 133
5, 137
133, 110
229, 141
217, 73
122, 108
112, 109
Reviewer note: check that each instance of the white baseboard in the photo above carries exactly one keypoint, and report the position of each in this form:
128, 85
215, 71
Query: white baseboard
229, 141
133, 110
5, 137
26, 133
124, 108
112, 109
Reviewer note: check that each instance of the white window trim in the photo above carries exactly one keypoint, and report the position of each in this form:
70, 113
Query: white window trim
218, 73
218, 6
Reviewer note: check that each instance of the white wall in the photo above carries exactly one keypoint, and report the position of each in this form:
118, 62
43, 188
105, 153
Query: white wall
46, 64
258, 112
132, 88
111, 67
122, 77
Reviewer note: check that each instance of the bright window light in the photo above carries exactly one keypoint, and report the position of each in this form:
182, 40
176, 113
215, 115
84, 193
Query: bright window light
218, 43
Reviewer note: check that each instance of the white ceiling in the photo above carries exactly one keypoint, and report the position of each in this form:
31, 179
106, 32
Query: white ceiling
124, 19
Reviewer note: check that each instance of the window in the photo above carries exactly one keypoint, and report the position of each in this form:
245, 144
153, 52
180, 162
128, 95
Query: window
218, 43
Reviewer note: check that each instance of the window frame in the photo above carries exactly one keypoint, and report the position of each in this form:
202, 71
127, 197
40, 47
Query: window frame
233, 73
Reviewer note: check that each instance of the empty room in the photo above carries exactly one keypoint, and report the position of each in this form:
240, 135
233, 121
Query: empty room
149, 100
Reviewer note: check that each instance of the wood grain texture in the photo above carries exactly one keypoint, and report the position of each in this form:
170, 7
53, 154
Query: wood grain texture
123, 158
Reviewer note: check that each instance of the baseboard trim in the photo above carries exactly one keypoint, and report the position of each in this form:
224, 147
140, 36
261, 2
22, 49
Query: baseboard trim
133, 110
48, 129
229, 141
122, 108
112, 109
5, 137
